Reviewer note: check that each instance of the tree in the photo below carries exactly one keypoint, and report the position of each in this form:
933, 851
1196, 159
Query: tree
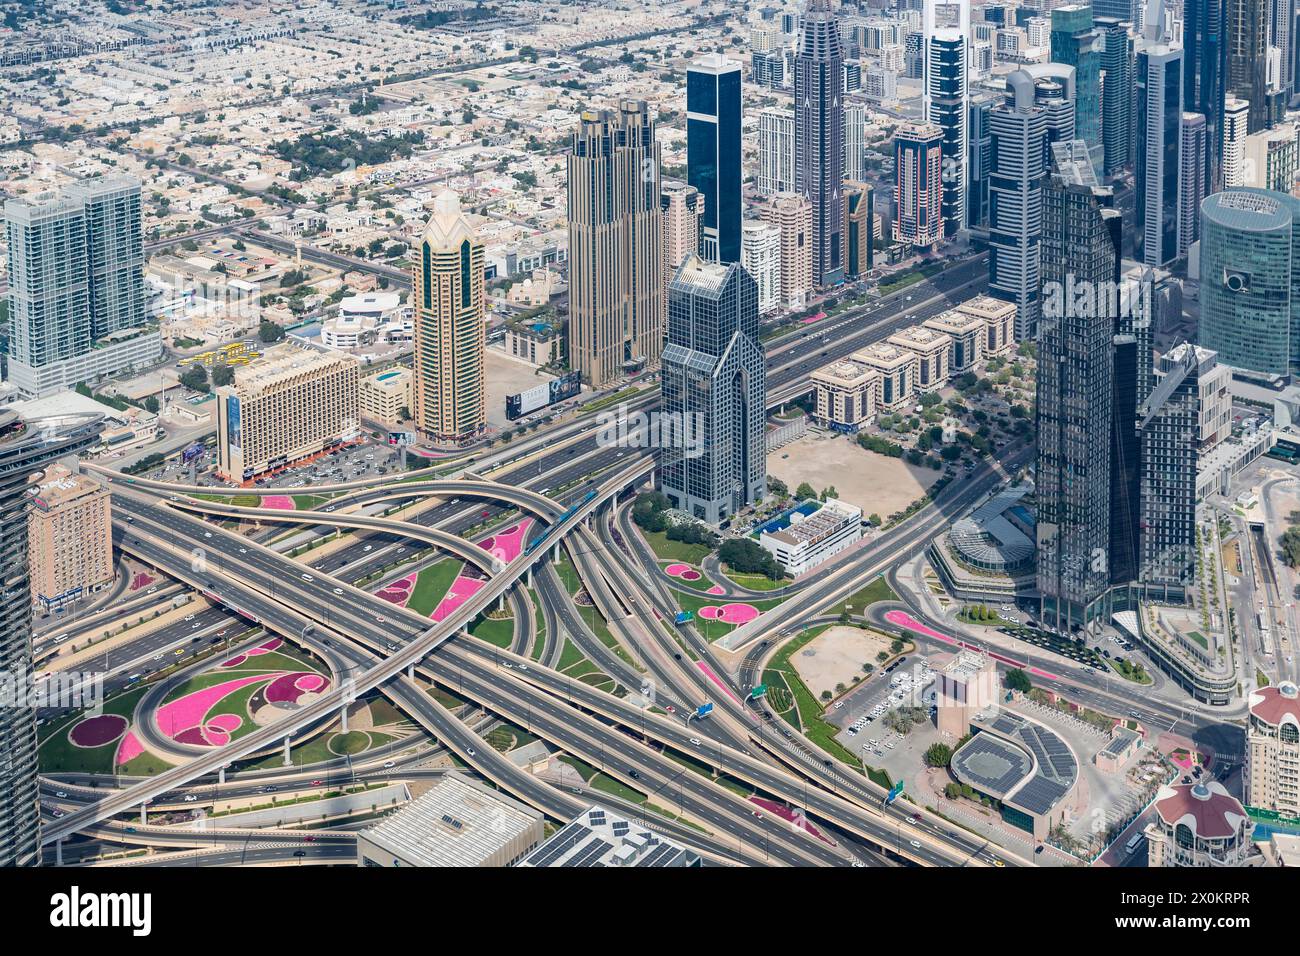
938, 755
805, 491
749, 557
1017, 679
222, 374
777, 487
151, 404
195, 378
268, 332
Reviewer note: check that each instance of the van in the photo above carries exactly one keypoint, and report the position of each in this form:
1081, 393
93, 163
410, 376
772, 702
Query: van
60, 639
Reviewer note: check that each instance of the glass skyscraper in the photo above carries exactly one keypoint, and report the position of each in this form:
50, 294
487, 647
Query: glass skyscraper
1158, 140
1205, 63
1117, 94
713, 121
714, 389
819, 137
1076, 43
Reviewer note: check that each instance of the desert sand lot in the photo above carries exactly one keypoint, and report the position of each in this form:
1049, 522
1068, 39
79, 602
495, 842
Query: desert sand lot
506, 376
876, 484
836, 656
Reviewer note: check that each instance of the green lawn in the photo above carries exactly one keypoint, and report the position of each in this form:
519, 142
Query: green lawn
819, 731
539, 642
431, 584
568, 574
57, 754
497, 631
756, 582
675, 550
878, 590
569, 656
712, 630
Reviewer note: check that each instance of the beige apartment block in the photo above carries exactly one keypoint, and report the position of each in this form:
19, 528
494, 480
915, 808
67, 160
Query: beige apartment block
968, 333
681, 206
1273, 749
897, 370
931, 349
69, 537
791, 213
293, 403
383, 396
999, 322
450, 395
846, 393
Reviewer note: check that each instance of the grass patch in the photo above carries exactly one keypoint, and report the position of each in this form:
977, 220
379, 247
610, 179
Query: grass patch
756, 582
675, 550
431, 584
875, 592
500, 632
712, 630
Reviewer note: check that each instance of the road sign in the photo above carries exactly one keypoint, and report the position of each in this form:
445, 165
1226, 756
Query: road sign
704, 710
683, 617
758, 691
894, 793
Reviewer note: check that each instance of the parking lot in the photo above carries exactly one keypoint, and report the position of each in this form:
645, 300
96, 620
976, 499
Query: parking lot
369, 459
907, 683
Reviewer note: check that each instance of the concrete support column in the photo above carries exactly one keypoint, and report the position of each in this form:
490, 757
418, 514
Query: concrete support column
221, 776
144, 815
410, 670
58, 852
287, 742
345, 717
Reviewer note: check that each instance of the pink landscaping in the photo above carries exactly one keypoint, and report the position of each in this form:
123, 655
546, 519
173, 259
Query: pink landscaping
711, 675
789, 816
279, 502
140, 580
398, 592
683, 571
716, 590
186, 720
98, 731
507, 545
264, 648
128, 749
903, 619
461, 590
729, 613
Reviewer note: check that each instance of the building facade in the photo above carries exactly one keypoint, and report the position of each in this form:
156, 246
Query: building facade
387, 397
760, 255
681, 207
775, 152
70, 538
791, 214
1192, 185
1157, 163
918, 185
858, 224
819, 137
1272, 775
713, 122
1199, 825
447, 289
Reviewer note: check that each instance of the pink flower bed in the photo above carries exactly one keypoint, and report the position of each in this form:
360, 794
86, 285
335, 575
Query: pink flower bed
508, 544
98, 731
461, 590
264, 648
186, 714
279, 502
683, 571
288, 688
141, 580
788, 815
128, 749
716, 590
398, 592
729, 613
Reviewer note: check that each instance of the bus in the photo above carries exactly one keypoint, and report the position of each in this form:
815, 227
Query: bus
1133, 843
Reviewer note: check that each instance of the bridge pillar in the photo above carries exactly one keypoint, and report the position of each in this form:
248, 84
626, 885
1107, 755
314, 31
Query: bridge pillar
58, 852
529, 575
344, 714
144, 815
287, 761
221, 776
410, 670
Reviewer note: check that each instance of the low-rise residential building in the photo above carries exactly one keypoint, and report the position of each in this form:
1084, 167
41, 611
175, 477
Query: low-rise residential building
1198, 824
537, 343
999, 322
293, 403
807, 535
931, 349
968, 334
897, 370
846, 395
387, 396
69, 537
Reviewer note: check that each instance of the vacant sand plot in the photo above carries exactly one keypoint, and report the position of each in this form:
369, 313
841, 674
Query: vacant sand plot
876, 484
836, 656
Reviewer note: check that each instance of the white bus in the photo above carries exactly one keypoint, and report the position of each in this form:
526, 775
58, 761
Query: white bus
1133, 843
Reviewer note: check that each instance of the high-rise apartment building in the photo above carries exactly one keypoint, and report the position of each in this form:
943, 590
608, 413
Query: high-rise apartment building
855, 141
1076, 42
615, 254
775, 152
760, 255
979, 160
25, 448
76, 286
447, 295
791, 213
69, 538
1157, 164
1117, 94
291, 404
1080, 250
713, 382
1192, 186
1205, 62
1271, 158
1198, 825
918, 185
681, 207
1247, 58
713, 121
1272, 776
1236, 115
858, 216
819, 137
945, 101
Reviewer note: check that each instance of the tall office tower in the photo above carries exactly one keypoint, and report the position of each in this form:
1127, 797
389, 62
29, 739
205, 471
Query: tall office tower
25, 448
615, 283
775, 152
1272, 772
918, 185
914, 56
115, 252
713, 118
791, 213
1157, 162
449, 326
855, 140
1269, 158
1075, 42
1235, 123
1250, 280
1247, 59
1080, 258
979, 161
1020, 163
1170, 427
858, 214
945, 100
1205, 60
1192, 187
680, 207
760, 254
1129, 10
819, 137
714, 376
1116, 94
1281, 37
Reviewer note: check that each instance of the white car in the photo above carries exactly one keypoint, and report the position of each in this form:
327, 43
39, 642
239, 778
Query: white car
308, 577
470, 751
338, 590
189, 617
190, 798
695, 741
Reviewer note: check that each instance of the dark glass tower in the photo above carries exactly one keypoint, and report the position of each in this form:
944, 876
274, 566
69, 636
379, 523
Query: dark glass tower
713, 119
1247, 41
25, 448
1205, 64
1117, 94
714, 389
819, 137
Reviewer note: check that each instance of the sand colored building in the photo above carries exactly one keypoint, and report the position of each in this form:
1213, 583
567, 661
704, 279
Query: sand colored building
791, 213
897, 370
383, 396
846, 394
999, 322
69, 537
967, 332
931, 349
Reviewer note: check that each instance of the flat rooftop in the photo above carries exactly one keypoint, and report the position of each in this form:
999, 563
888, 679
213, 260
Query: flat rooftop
600, 837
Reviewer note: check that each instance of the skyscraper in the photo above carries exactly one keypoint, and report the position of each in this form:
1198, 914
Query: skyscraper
1236, 115
775, 152
1159, 142
945, 102
1192, 187
1247, 58
979, 161
760, 254
713, 381
1205, 60
681, 207
713, 120
819, 137
855, 135
791, 213
76, 280
615, 279
450, 336
918, 185
858, 215
1080, 257
1075, 42
1117, 94
25, 448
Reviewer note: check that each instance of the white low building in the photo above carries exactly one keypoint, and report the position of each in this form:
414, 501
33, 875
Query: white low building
810, 539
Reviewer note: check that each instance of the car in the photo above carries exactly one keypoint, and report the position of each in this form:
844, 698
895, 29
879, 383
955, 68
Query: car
318, 783
60, 794
338, 590
189, 617
1133, 714
997, 862
839, 704
309, 839
130, 829
670, 709
695, 742
243, 551
207, 534
380, 619
157, 657
916, 844
190, 798
470, 752
308, 577
1039, 848
634, 774
368, 547
523, 667
389, 765
299, 852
